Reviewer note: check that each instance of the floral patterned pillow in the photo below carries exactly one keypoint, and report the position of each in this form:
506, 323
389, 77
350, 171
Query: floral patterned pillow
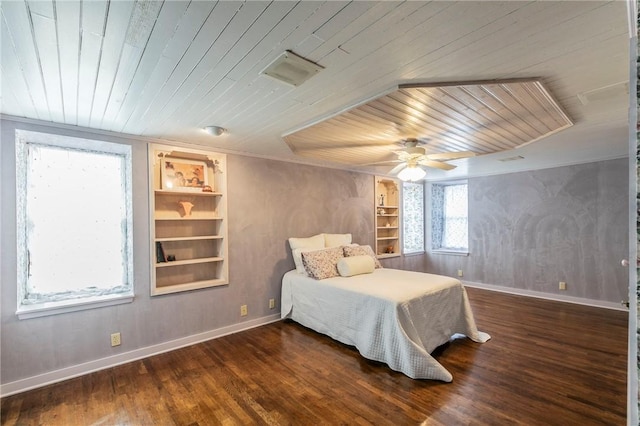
361, 251
321, 264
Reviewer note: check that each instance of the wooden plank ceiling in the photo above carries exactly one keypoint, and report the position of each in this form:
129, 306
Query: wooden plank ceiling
166, 69
482, 117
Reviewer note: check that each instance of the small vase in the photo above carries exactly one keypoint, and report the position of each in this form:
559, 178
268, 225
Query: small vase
186, 206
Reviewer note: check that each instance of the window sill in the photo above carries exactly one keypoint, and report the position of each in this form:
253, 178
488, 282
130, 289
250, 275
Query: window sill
66, 306
451, 252
413, 253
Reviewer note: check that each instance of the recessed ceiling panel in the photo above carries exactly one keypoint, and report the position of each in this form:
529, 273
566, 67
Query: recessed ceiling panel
483, 117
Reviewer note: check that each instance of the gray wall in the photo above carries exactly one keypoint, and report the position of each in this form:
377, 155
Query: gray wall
531, 230
268, 201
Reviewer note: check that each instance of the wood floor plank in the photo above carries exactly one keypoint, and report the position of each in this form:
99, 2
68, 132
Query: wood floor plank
548, 363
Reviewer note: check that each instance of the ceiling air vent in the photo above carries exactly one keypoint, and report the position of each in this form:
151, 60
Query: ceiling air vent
291, 69
516, 158
605, 93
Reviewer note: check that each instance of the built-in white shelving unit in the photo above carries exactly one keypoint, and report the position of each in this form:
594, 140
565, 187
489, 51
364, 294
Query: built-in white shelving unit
188, 206
387, 221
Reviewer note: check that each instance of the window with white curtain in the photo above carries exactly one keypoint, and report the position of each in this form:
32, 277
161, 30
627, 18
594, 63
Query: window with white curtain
412, 217
74, 223
449, 217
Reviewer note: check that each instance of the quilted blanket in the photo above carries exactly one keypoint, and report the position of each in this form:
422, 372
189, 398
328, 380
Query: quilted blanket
393, 316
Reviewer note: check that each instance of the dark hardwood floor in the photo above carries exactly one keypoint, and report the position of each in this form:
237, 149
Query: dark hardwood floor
548, 363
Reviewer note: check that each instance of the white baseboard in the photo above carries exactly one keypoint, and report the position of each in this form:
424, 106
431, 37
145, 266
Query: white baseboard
55, 376
548, 296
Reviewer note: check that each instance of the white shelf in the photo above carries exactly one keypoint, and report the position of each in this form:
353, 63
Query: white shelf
193, 285
385, 255
188, 218
387, 238
189, 262
204, 237
387, 227
181, 193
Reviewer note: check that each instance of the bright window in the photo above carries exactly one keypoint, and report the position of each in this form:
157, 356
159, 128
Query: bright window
449, 217
412, 217
74, 222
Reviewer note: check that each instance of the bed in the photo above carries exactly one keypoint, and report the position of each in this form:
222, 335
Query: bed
393, 316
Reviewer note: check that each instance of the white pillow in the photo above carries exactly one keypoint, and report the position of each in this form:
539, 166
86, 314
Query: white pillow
315, 242
297, 259
356, 265
350, 251
335, 240
298, 245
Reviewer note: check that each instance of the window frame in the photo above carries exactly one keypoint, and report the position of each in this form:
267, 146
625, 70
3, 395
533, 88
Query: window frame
441, 249
23, 139
404, 220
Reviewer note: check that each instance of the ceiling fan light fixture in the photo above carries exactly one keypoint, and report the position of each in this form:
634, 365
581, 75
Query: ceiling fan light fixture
411, 174
215, 130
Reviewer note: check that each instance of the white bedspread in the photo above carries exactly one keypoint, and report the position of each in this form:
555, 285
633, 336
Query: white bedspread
393, 316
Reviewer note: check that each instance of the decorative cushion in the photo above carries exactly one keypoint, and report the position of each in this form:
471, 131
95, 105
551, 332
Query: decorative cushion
335, 240
304, 244
350, 251
321, 264
355, 265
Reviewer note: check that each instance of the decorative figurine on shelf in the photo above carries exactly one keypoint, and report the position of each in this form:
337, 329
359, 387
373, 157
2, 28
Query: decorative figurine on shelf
171, 258
187, 206
382, 199
380, 212
207, 188
389, 249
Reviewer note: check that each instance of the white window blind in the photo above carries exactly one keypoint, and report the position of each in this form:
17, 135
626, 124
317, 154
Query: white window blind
74, 220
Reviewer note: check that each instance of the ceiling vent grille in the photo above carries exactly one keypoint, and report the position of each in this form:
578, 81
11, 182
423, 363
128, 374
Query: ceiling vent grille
291, 69
516, 158
605, 93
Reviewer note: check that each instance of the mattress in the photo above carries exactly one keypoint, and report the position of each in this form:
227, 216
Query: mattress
392, 316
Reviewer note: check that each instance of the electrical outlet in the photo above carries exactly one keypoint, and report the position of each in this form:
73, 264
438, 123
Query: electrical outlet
562, 285
272, 303
243, 310
460, 274
115, 339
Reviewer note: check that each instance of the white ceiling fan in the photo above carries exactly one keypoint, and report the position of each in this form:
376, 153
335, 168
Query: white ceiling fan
413, 160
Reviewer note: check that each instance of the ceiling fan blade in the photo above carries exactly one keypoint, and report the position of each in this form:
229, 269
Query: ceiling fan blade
451, 155
380, 163
337, 145
397, 168
437, 165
